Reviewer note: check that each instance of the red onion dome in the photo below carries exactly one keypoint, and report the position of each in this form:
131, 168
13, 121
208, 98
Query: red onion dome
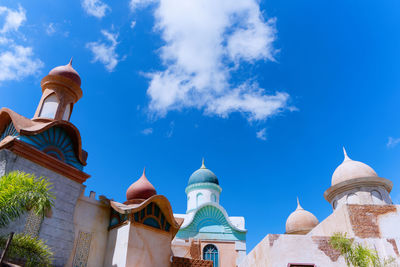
67, 71
141, 189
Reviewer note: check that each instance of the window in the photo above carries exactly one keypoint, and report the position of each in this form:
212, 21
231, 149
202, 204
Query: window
376, 197
67, 112
213, 198
199, 199
210, 252
352, 199
49, 107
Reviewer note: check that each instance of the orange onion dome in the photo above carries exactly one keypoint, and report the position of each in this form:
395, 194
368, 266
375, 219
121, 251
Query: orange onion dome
141, 189
67, 71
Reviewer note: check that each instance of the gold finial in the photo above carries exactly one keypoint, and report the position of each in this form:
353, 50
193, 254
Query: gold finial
70, 61
202, 164
346, 157
144, 171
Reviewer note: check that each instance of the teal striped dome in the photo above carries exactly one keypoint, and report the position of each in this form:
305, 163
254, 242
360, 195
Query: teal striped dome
203, 175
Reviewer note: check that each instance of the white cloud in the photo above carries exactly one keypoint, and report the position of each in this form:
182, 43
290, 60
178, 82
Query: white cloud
95, 8
262, 134
171, 129
147, 131
104, 52
13, 18
16, 61
135, 4
392, 142
133, 24
50, 29
206, 43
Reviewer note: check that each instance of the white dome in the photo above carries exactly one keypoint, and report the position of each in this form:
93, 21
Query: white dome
351, 169
300, 221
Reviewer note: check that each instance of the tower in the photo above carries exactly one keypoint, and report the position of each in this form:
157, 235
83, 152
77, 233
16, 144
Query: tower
50, 146
207, 231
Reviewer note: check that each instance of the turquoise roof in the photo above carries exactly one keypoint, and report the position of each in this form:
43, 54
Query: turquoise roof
203, 175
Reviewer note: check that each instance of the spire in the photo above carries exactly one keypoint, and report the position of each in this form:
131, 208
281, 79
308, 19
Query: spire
345, 155
202, 164
144, 172
298, 204
70, 61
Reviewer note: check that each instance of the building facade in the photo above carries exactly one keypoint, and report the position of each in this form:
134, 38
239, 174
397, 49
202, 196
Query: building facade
207, 231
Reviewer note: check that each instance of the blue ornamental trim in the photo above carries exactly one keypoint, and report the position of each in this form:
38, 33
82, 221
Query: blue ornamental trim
56, 143
209, 222
9, 131
203, 186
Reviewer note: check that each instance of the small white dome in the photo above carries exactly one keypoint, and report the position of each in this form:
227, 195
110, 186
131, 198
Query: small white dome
300, 221
351, 169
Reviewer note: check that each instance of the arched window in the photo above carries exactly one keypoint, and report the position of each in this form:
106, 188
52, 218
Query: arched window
210, 253
199, 199
352, 199
49, 108
376, 197
213, 198
67, 112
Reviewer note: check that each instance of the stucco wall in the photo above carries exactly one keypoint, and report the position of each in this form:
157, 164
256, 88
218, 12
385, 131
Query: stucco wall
92, 216
57, 231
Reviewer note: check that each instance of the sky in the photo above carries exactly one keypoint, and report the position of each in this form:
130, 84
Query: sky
268, 92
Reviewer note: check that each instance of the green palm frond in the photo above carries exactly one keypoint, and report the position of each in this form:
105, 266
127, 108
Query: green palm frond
20, 192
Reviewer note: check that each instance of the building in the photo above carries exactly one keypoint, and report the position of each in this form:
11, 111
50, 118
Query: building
362, 208
207, 231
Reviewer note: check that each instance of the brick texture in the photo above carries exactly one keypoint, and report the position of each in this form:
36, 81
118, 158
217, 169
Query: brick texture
394, 245
364, 219
186, 262
195, 250
325, 246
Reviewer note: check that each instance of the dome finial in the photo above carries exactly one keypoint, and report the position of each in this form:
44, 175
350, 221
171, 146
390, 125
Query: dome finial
346, 157
70, 61
144, 172
298, 204
202, 164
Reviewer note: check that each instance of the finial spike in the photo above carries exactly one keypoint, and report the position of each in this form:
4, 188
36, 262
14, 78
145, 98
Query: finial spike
70, 61
202, 164
144, 171
298, 204
346, 157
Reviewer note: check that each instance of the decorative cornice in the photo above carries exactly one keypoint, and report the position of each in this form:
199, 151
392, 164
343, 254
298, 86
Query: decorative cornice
203, 186
29, 152
344, 186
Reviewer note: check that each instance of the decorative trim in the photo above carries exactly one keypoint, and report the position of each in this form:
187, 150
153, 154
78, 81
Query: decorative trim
203, 186
33, 223
344, 186
33, 154
82, 249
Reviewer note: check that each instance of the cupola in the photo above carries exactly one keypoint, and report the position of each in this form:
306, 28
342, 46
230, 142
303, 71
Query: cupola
354, 182
203, 175
300, 222
60, 91
140, 190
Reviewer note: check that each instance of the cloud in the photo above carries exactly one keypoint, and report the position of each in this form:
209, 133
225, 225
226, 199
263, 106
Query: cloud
147, 131
133, 24
171, 129
13, 18
50, 29
95, 8
262, 134
392, 142
104, 52
16, 61
207, 44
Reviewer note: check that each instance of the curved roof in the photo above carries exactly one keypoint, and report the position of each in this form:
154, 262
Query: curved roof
203, 175
300, 221
27, 127
351, 169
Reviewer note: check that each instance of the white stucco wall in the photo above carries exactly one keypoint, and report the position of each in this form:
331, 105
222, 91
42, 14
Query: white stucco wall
197, 197
117, 246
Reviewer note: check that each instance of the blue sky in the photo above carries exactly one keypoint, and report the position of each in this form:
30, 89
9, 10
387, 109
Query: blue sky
268, 92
